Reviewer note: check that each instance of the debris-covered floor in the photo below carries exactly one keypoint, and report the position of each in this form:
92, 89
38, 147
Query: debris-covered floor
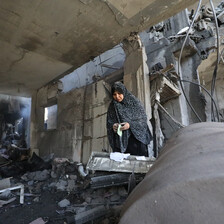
63, 193
35, 190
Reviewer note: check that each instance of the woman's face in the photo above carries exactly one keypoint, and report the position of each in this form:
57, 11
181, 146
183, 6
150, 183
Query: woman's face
118, 96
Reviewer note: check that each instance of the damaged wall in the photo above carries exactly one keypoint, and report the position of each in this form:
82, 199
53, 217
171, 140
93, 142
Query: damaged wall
218, 97
219, 93
81, 116
81, 120
81, 123
15, 111
163, 44
101, 66
164, 47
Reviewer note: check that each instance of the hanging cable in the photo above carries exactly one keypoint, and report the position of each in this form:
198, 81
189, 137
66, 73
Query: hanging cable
212, 99
179, 60
217, 61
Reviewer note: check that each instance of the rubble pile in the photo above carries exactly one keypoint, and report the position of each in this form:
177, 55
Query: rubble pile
13, 147
67, 194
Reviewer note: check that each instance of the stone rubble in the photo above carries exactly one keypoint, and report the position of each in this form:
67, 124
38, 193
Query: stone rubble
77, 196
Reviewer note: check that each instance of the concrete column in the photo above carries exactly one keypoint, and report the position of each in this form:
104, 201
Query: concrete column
189, 72
136, 77
33, 125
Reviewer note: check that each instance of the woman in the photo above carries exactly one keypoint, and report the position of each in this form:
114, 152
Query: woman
126, 113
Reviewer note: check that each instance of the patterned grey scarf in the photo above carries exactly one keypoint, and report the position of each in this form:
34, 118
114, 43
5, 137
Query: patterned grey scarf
129, 110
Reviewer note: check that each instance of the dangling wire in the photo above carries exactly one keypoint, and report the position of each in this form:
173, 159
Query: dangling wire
179, 60
217, 61
217, 111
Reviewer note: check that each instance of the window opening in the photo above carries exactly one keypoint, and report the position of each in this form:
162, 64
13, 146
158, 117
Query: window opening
50, 117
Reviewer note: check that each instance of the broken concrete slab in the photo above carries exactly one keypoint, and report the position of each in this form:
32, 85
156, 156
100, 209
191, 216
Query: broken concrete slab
101, 161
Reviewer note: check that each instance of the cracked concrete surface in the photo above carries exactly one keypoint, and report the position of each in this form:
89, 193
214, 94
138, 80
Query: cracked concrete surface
59, 35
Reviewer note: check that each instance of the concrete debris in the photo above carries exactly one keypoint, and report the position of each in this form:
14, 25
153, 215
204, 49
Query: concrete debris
12, 144
131, 182
38, 176
73, 177
64, 203
38, 221
206, 12
98, 200
61, 185
5, 183
81, 209
89, 215
88, 200
30, 183
115, 197
71, 185
122, 192
184, 30
61, 166
87, 197
5, 194
113, 180
31, 164
36, 199
100, 161
2, 202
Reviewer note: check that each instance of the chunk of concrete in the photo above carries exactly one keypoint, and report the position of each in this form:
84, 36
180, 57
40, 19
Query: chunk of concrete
71, 185
64, 203
38, 221
61, 185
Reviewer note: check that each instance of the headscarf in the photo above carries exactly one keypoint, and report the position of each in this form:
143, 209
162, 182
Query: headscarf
128, 110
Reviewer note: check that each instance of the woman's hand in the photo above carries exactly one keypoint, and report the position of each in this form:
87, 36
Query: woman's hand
115, 127
125, 126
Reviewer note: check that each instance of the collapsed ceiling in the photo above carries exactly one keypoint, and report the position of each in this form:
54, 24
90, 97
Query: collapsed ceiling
43, 40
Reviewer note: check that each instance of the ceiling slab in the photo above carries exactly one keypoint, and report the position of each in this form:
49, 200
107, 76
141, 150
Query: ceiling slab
40, 40
130, 8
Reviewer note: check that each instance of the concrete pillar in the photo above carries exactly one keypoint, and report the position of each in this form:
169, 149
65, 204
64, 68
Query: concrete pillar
136, 77
33, 125
189, 72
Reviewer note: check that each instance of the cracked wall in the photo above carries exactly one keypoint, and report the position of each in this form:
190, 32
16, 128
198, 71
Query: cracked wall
81, 122
81, 126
